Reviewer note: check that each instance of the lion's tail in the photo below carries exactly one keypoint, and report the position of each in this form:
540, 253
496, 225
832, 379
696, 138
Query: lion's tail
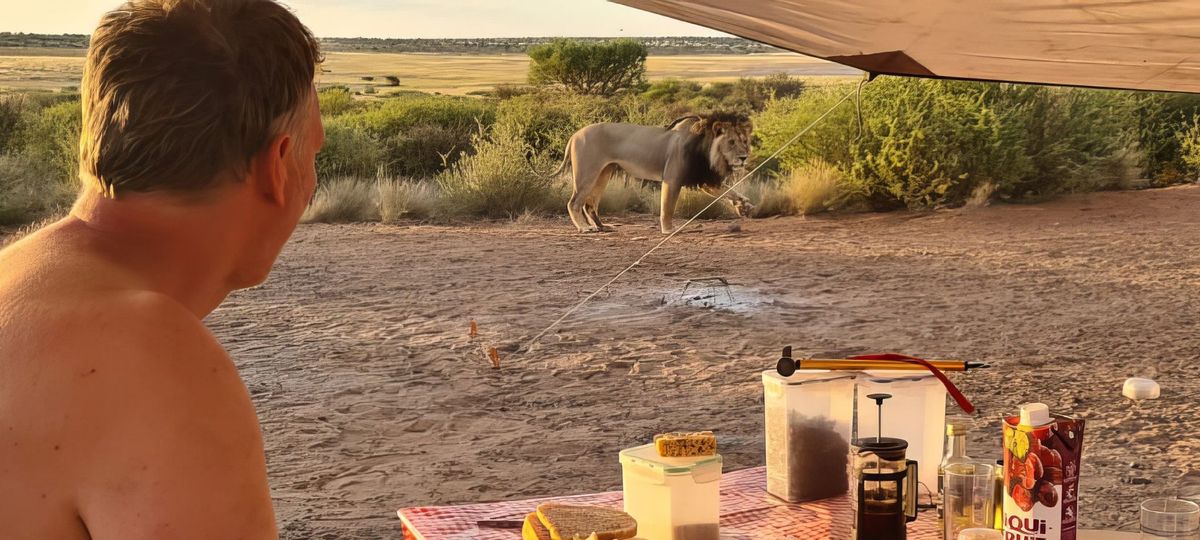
562, 167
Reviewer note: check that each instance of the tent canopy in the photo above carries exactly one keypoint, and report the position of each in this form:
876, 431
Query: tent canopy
1129, 44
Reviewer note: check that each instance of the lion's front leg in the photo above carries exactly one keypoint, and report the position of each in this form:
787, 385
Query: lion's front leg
670, 196
741, 204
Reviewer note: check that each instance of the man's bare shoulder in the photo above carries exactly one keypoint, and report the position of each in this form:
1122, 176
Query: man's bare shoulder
127, 406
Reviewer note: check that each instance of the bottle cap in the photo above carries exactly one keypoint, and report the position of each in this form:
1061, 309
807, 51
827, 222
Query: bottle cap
957, 427
1035, 414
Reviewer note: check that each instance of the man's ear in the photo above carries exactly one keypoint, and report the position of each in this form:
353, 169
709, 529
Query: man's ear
270, 171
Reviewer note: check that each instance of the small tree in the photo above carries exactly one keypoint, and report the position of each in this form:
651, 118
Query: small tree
589, 68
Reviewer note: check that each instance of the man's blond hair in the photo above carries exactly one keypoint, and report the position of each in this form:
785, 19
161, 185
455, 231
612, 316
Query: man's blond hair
181, 94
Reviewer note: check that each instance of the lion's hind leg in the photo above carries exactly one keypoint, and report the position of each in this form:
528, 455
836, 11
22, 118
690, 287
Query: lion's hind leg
591, 205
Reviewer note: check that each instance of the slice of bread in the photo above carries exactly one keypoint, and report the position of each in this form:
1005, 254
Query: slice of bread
677, 444
575, 522
534, 529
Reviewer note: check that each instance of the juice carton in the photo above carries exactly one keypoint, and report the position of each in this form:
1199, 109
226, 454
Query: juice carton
1041, 474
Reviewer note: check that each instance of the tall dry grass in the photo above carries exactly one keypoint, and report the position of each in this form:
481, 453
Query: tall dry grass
406, 199
343, 200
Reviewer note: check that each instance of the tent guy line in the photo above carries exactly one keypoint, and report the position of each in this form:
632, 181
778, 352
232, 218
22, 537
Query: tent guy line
528, 345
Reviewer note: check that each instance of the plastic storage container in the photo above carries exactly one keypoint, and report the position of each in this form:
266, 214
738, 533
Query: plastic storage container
915, 413
672, 498
808, 419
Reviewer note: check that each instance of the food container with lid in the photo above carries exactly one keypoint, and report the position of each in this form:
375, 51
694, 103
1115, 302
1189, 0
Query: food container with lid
672, 498
807, 423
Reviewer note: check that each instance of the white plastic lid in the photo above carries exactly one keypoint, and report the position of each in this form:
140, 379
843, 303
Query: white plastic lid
899, 375
1035, 414
1139, 388
806, 376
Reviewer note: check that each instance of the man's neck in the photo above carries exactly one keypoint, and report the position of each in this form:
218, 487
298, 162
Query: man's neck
186, 251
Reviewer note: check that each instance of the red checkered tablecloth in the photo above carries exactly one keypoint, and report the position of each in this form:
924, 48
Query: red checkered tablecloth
747, 513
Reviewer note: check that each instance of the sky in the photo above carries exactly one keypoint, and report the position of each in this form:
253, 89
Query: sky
397, 18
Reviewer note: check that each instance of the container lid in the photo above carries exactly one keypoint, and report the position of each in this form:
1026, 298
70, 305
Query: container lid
647, 456
898, 375
888, 448
1035, 414
806, 376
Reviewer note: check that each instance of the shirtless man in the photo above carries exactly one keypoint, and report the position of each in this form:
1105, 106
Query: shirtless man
121, 417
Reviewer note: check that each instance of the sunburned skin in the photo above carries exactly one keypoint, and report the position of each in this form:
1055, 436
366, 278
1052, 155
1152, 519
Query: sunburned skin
120, 415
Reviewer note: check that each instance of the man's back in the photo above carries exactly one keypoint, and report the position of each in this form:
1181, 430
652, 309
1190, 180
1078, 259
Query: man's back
120, 416
118, 411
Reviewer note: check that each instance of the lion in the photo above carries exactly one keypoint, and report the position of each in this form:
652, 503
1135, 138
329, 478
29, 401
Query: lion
697, 151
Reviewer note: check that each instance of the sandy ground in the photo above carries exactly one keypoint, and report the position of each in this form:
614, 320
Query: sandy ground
44, 68
372, 396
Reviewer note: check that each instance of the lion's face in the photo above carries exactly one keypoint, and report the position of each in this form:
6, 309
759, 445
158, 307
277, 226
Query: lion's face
732, 143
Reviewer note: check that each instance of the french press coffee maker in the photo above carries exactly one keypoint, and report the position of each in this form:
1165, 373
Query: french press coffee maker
883, 489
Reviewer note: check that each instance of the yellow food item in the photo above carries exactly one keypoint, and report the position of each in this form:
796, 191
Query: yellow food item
534, 529
700, 443
577, 522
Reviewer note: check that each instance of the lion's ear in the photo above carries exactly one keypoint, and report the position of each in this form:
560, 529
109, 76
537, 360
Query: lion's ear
721, 127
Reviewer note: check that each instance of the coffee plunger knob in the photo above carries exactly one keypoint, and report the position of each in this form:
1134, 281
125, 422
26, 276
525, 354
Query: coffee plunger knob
786, 366
878, 398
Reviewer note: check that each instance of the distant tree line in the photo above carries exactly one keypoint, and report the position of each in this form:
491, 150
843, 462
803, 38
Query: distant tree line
654, 45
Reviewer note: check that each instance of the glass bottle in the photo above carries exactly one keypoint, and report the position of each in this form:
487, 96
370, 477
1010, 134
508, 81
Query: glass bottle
998, 496
956, 452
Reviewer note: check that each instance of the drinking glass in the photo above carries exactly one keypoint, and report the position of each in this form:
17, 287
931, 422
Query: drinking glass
1170, 519
967, 498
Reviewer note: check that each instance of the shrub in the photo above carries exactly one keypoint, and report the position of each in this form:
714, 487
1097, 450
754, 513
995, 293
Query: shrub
672, 90
349, 151
1157, 118
812, 187
26, 194
690, 202
546, 121
1189, 146
335, 100
767, 198
589, 68
342, 200
931, 143
51, 139
400, 199
509, 91
624, 195
12, 109
392, 80
496, 180
417, 131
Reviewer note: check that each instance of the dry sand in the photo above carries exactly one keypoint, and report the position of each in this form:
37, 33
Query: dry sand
372, 397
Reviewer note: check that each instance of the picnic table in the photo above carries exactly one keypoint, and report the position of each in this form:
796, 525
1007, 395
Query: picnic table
747, 513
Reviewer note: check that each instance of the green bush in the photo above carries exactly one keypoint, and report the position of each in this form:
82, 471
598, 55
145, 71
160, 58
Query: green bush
546, 121
27, 194
12, 110
928, 143
418, 132
601, 69
336, 100
496, 181
349, 151
52, 140
1157, 120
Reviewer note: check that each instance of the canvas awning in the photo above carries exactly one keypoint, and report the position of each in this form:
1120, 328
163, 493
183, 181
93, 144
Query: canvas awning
1131, 44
